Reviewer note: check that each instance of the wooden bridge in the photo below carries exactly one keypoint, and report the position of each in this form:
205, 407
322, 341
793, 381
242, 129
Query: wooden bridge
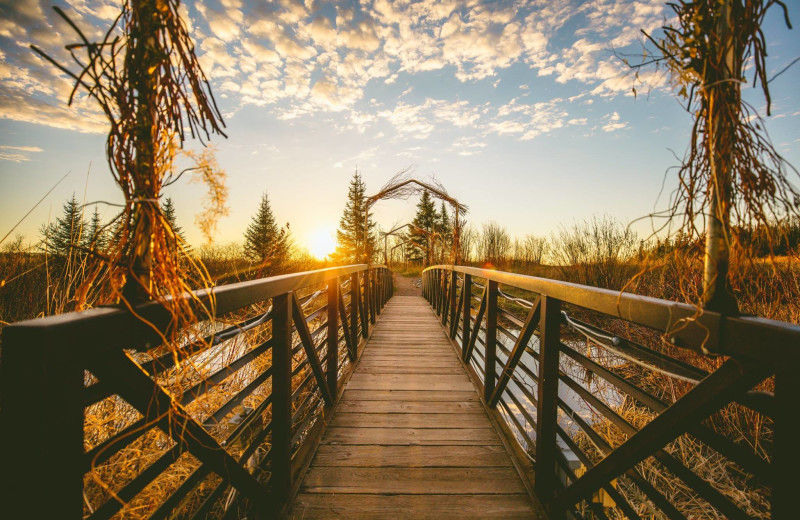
410, 437
322, 395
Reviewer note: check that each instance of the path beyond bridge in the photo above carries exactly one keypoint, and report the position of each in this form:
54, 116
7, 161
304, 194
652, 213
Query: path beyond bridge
410, 437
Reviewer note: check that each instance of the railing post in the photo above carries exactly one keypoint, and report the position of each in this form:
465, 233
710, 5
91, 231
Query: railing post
438, 289
489, 376
387, 289
333, 336
453, 304
281, 451
448, 288
442, 292
466, 317
549, 340
41, 438
373, 292
786, 452
436, 284
354, 311
362, 302
387, 295
369, 289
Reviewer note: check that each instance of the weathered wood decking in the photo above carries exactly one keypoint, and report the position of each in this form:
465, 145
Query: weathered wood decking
410, 438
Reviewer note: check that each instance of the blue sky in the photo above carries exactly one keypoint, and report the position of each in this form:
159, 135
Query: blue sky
520, 109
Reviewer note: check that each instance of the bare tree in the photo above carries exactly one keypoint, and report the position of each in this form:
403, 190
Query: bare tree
593, 252
531, 250
495, 244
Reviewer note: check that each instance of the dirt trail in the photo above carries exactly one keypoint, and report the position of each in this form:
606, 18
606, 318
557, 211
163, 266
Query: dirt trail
404, 286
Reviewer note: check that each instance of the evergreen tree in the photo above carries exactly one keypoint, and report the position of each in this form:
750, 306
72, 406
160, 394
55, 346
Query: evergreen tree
350, 235
67, 233
169, 213
95, 238
425, 225
445, 229
265, 242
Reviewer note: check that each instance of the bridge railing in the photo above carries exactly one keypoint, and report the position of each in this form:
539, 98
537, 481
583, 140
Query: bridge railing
100, 418
624, 405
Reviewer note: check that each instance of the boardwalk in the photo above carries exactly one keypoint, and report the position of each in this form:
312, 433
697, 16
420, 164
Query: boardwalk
410, 438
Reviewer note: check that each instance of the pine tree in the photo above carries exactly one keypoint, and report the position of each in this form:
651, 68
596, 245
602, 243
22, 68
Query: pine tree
445, 229
169, 213
265, 242
95, 238
66, 234
350, 235
425, 225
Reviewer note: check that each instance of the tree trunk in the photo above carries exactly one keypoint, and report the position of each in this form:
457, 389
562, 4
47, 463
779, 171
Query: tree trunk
143, 59
722, 96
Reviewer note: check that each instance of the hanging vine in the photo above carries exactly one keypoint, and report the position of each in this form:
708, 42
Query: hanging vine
147, 80
732, 176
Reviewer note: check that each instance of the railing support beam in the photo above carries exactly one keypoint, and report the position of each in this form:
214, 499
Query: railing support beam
281, 451
332, 368
466, 311
546, 448
787, 451
41, 386
490, 376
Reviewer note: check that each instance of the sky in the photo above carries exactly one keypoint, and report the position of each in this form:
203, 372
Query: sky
524, 111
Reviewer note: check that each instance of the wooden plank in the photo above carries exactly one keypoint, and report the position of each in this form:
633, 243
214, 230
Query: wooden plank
310, 506
369, 364
407, 378
379, 369
351, 394
397, 358
422, 481
410, 420
426, 384
413, 436
346, 407
412, 456
409, 355
405, 352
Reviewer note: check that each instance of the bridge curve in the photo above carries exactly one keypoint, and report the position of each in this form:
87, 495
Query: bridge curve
410, 437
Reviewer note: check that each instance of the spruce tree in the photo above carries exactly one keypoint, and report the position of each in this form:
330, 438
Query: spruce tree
67, 233
445, 229
169, 213
350, 235
425, 225
264, 241
95, 238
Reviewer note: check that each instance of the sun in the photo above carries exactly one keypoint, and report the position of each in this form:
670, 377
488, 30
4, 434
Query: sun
322, 243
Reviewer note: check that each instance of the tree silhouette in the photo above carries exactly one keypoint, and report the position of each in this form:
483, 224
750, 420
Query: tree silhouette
350, 235
264, 241
67, 235
169, 214
426, 223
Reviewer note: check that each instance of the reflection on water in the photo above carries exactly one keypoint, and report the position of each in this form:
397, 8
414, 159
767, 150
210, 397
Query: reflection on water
520, 405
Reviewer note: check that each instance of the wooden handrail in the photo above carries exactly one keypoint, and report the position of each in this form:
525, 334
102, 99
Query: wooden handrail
758, 347
687, 326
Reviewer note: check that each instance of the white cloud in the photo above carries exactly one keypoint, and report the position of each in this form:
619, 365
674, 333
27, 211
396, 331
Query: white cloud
614, 123
17, 153
301, 59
